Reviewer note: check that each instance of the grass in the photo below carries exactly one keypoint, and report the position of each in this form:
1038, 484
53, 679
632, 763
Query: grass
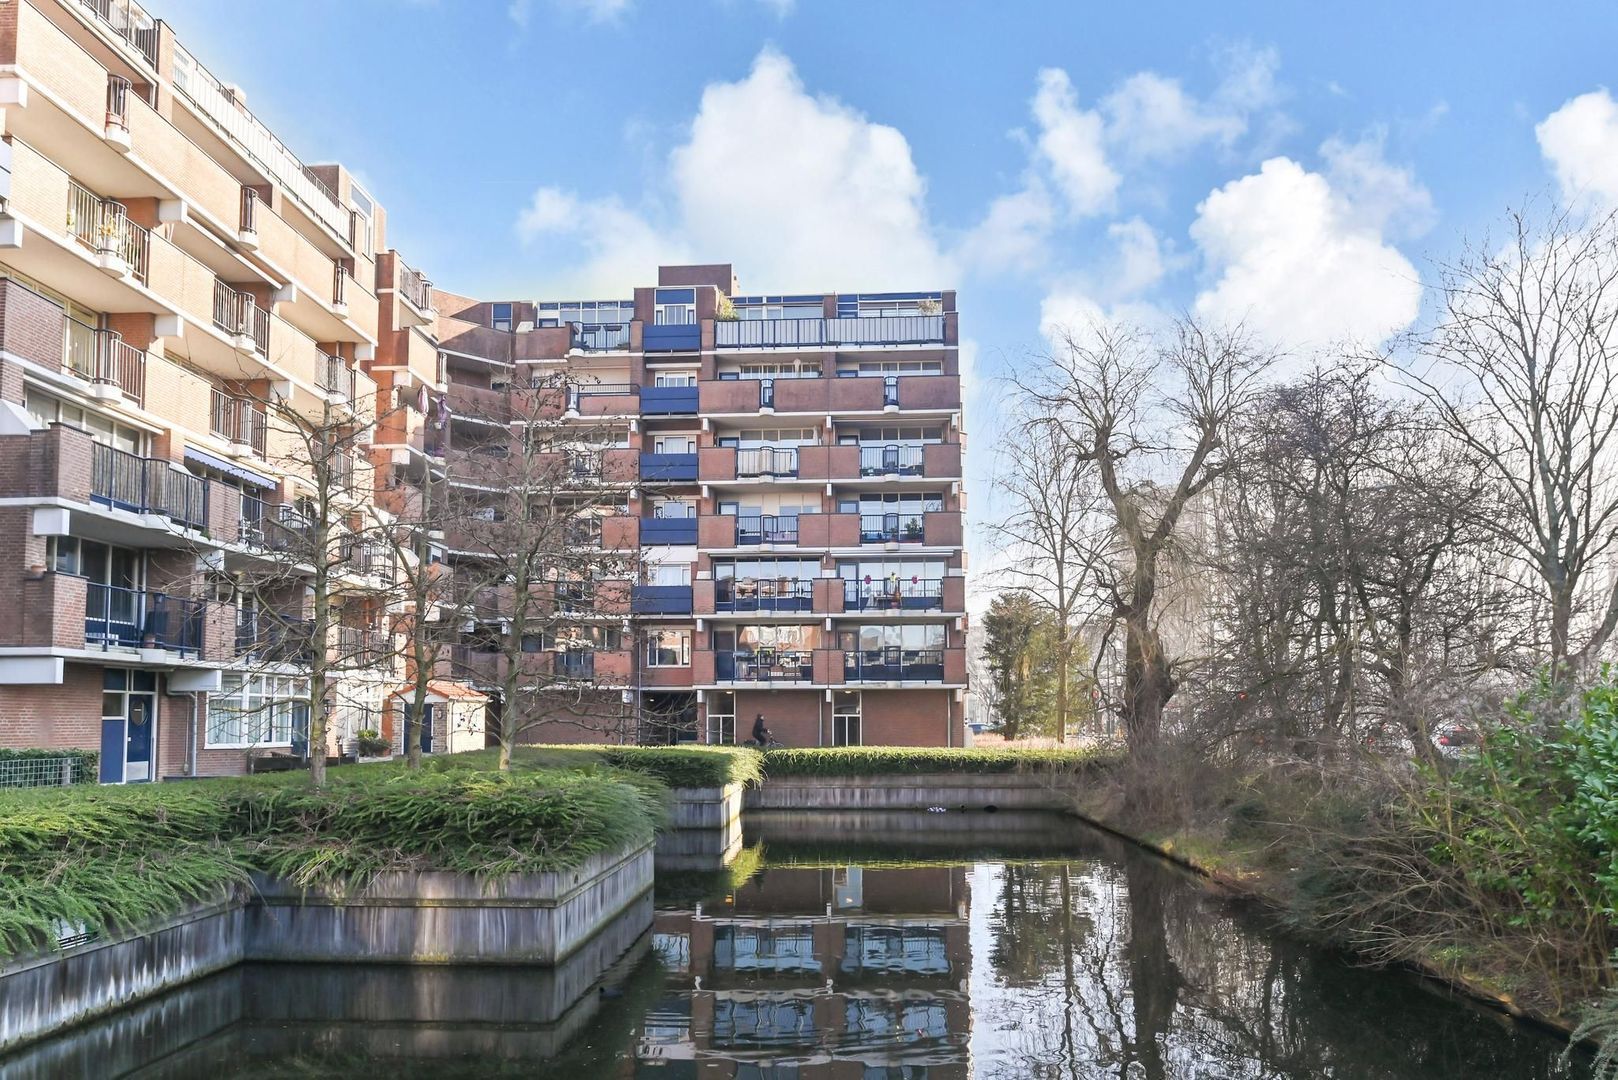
110, 858
899, 760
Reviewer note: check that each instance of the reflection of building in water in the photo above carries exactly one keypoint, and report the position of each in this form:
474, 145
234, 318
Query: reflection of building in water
828, 972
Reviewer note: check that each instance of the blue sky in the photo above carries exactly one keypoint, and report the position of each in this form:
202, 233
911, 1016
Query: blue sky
1299, 166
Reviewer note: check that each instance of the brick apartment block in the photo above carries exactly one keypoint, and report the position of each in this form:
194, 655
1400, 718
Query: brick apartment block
786, 470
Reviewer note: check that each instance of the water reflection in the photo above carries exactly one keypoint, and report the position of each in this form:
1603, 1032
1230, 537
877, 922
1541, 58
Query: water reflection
1007, 946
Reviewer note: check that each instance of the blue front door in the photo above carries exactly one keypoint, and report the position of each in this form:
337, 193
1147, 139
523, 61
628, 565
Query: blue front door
138, 738
426, 726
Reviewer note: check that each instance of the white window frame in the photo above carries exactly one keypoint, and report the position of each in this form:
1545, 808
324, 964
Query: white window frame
681, 647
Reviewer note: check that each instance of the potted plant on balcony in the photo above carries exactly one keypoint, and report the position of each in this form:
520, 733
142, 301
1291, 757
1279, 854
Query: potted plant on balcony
369, 745
724, 310
929, 307
913, 529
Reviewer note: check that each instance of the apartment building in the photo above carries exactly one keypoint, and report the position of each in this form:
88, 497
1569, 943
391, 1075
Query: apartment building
183, 300
175, 287
786, 472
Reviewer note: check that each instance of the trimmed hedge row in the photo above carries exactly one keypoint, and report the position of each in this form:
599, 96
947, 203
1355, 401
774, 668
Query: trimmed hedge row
891, 760
675, 766
85, 765
108, 858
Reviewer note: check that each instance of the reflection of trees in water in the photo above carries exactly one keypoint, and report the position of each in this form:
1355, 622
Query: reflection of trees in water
1128, 970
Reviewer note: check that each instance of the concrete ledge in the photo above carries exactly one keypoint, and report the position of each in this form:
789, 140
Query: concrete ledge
918, 791
704, 830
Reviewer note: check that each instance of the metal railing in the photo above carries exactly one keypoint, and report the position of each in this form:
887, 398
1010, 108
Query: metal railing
415, 288
577, 392
595, 337
118, 89
237, 420
270, 637
103, 226
891, 528
763, 594
237, 313
356, 645
904, 459
893, 664
777, 461
218, 103
44, 772
574, 664
765, 665
365, 555
339, 379
339, 285
342, 468
102, 356
584, 533
249, 217
147, 485
894, 593
880, 330
766, 529
129, 21
138, 619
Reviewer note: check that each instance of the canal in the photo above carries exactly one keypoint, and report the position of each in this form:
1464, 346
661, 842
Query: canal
1002, 945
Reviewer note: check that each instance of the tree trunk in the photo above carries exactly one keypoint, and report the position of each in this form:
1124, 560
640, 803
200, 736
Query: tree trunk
1147, 685
1064, 658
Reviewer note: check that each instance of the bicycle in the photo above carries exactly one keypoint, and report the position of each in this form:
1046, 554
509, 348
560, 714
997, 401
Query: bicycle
770, 743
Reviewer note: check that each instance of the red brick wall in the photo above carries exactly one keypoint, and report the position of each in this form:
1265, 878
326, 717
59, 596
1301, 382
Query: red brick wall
62, 716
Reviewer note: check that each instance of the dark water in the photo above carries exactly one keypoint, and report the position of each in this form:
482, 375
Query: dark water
1001, 946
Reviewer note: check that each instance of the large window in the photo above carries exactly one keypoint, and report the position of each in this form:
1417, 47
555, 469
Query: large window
500, 316
47, 409
721, 718
675, 307
260, 710
668, 648
560, 312
845, 718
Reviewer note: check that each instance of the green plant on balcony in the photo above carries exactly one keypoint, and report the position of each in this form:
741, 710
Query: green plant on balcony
912, 529
929, 307
725, 311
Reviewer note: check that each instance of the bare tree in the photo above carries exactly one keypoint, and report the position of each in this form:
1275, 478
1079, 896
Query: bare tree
1522, 370
1150, 415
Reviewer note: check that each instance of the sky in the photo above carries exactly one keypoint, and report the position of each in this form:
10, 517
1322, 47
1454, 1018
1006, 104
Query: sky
1303, 168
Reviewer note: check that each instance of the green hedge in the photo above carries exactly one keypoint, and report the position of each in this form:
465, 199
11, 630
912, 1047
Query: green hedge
85, 765
892, 760
113, 857
675, 766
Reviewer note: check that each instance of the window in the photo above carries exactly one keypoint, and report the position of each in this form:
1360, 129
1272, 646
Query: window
679, 509
675, 378
263, 710
593, 312
500, 316
722, 718
676, 307
46, 409
674, 444
668, 648
845, 718
364, 215
101, 563
668, 574
779, 307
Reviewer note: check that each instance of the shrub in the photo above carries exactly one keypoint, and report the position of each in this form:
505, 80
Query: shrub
370, 743
675, 766
898, 760
84, 765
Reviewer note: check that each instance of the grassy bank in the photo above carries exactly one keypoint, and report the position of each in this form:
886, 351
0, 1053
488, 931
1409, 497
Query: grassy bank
900, 760
108, 858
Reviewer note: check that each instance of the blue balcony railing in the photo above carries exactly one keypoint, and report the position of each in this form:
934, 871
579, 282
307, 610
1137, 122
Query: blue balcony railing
668, 401
140, 485
137, 619
891, 528
893, 664
656, 530
763, 594
660, 600
668, 467
787, 333
901, 459
574, 664
894, 594
600, 337
764, 665
766, 529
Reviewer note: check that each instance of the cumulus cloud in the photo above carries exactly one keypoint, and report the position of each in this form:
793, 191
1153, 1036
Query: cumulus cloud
1292, 260
1152, 117
1580, 143
1376, 194
614, 244
800, 190
1013, 232
1071, 144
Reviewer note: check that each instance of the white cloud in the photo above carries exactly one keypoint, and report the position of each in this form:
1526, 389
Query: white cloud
617, 245
1013, 232
1293, 262
1141, 259
801, 191
1580, 143
1375, 194
1151, 117
1071, 144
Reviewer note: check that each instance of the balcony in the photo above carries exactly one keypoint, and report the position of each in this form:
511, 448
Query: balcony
797, 333
893, 459
356, 646
479, 403
781, 595
767, 462
891, 529
672, 337
766, 529
574, 664
603, 399
893, 664
116, 617
415, 289
598, 337
668, 468
239, 421
894, 594
764, 665
140, 485
338, 379
660, 600
268, 637
103, 359
116, 131
931, 393
239, 316
102, 226
339, 288
659, 530
217, 103
127, 20
669, 401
